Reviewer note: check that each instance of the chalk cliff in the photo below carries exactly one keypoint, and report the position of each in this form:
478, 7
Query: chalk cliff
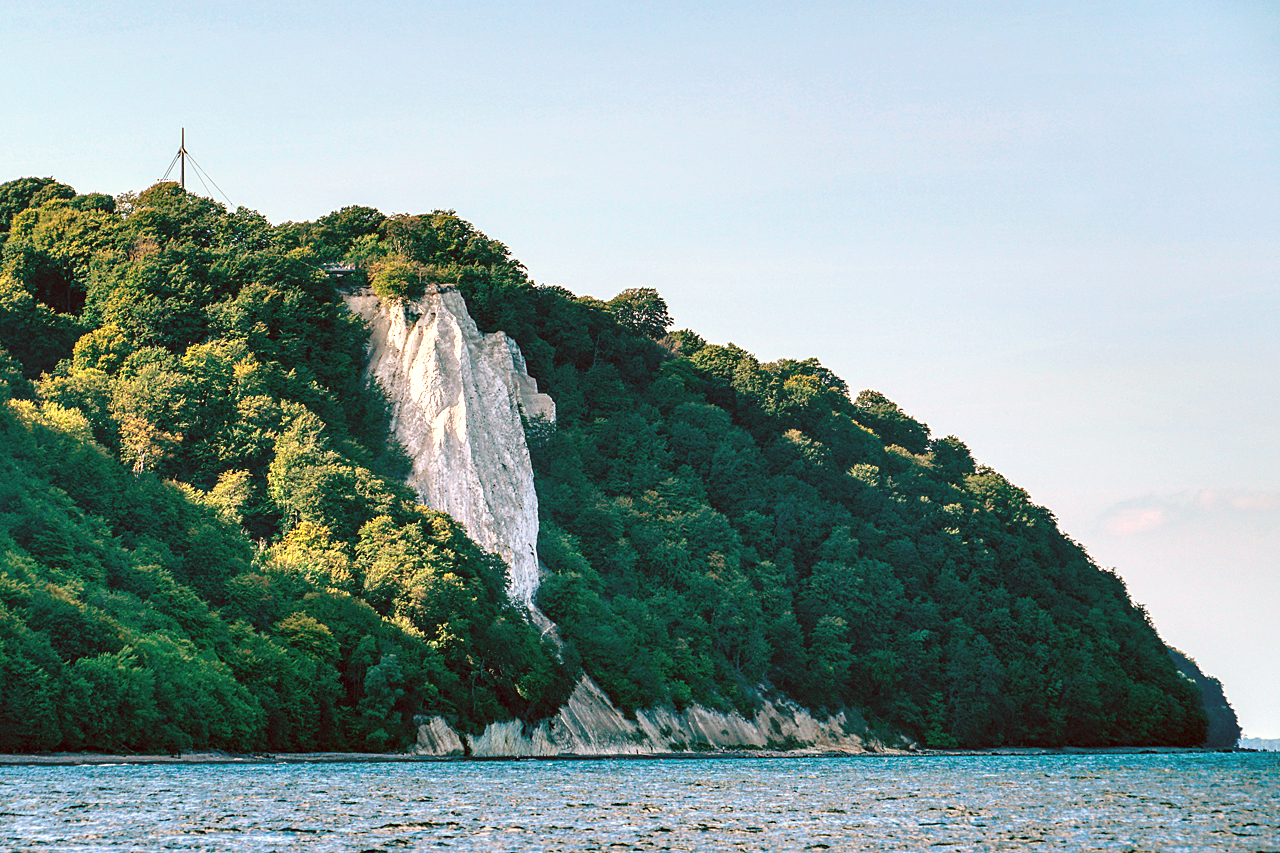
457, 397
589, 724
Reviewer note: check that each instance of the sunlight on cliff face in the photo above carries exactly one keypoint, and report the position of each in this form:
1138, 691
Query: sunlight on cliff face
457, 397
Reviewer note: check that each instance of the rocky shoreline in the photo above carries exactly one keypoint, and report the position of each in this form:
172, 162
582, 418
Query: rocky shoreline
78, 759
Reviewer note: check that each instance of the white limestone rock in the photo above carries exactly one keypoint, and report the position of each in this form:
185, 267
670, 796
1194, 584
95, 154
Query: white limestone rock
435, 737
457, 397
589, 724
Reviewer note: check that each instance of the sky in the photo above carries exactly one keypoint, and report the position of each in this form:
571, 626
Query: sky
1051, 229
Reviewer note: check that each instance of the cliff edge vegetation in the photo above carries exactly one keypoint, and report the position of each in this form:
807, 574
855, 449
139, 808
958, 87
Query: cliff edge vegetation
205, 540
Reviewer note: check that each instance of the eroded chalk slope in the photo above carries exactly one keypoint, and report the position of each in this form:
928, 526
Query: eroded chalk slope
457, 396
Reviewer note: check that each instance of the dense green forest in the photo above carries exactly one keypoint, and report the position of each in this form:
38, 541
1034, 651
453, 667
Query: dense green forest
205, 540
1224, 729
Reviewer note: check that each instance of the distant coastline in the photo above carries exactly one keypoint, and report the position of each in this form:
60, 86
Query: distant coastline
1260, 743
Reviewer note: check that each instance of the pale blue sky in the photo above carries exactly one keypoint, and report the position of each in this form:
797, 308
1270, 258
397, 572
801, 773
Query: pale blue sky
1051, 229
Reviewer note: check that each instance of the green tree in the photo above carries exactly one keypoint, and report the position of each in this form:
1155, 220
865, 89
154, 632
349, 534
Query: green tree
877, 412
641, 310
399, 279
17, 195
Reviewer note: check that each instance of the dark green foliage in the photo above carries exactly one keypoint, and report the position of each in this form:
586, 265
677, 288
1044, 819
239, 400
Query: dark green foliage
881, 415
18, 195
1224, 728
641, 310
33, 333
12, 382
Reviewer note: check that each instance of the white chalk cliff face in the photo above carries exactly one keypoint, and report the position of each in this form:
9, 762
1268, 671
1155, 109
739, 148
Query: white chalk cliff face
456, 398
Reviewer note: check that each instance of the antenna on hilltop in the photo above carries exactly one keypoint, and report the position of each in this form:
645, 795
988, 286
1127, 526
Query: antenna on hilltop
180, 159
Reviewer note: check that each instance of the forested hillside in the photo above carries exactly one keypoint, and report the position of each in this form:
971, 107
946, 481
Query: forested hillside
1224, 729
206, 542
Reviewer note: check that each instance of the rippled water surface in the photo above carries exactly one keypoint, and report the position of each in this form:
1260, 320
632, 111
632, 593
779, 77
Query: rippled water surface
1073, 802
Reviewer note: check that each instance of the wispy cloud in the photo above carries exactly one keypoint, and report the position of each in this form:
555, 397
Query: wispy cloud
1149, 513
1131, 520
1217, 500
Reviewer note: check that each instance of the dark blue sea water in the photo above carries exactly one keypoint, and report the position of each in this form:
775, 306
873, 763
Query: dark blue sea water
985, 802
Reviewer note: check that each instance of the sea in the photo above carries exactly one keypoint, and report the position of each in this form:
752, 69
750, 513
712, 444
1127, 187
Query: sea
1139, 802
